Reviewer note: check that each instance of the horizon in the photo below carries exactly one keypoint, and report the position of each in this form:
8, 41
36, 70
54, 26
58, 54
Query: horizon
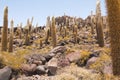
21, 10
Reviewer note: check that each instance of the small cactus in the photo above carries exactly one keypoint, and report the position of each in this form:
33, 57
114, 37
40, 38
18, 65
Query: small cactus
10, 49
5, 30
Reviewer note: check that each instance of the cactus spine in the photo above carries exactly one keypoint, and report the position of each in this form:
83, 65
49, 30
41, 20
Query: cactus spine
99, 29
113, 9
53, 31
5, 30
10, 49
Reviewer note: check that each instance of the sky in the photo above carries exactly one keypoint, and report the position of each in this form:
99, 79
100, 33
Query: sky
21, 10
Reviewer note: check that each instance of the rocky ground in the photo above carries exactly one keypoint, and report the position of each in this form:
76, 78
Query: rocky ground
83, 60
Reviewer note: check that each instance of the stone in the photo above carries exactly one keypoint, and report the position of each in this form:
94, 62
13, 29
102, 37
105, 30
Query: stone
41, 69
28, 68
35, 58
108, 69
58, 49
73, 57
37, 62
95, 53
91, 61
5, 73
63, 62
52, 66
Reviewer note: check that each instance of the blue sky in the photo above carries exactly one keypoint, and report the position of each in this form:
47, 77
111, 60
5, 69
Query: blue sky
21, 10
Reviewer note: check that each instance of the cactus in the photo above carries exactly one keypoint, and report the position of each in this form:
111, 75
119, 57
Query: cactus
65, 31
40, 43
99, 29
113, 10
75, 34
92, 23
5, 30
53, 31
10, 49
47, 35
20, 35
27, 37
30, 25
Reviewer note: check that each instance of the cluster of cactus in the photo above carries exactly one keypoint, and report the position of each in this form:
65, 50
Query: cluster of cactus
99, 26
5, 30
113, 10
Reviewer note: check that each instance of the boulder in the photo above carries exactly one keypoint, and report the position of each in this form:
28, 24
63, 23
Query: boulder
58, 49
41, 69
32, 58
108, 69
52, 66
95, 53
91, 61
5, 73
28, 68
73, 57
63, 62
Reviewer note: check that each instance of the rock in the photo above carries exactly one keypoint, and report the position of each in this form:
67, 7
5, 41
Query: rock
52, 66
29, 68
62, 62
58, 49
62, 43
5, 73
91, 61
49, 56
73, 57
18, 42
35, 58
41, 69
37, 62
95, 53
108, 69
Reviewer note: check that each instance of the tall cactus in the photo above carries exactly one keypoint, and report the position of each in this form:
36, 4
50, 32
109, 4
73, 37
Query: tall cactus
99, 29
75, 34
113, 10
92, 23
27, 36
10, 49
53, 31
47, 35
5, 30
